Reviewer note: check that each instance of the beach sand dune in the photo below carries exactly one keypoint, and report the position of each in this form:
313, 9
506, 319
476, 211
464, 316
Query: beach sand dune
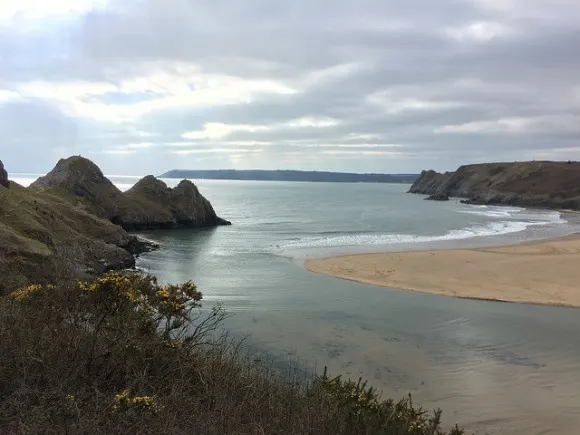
545, 272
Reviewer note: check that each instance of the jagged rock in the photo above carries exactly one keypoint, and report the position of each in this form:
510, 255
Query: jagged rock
438, 197
526, 184
3, 176
149, 204
81, 177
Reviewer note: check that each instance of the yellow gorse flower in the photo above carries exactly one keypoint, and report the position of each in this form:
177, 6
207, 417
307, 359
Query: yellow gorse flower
124, 402
26, 292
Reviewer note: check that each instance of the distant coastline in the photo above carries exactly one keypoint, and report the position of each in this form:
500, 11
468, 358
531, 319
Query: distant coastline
290, 175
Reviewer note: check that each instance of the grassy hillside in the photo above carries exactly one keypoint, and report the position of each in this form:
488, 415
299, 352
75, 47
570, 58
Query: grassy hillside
42, 229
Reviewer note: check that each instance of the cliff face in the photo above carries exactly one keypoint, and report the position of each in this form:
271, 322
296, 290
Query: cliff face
82, 178
526, 184
150, 204
3, 176
72, 223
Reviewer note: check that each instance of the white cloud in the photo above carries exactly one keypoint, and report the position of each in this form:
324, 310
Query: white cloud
331, 74
215, 150
6, 95
311, 122
17, 11
139, 145
564, 123
394, 106
506, 125
119, 151
479, 31
218, 130
345, 145
364, 153
171, 86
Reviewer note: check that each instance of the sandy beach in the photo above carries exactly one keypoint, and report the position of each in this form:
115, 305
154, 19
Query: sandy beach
546, 272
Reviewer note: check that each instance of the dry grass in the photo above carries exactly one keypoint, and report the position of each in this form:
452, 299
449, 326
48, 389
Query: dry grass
123, 355
42, 229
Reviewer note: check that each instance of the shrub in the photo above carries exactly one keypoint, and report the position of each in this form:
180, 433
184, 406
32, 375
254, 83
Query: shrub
124, 355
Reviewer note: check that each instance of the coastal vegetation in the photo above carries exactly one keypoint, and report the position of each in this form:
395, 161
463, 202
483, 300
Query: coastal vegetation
88, 349
121, 354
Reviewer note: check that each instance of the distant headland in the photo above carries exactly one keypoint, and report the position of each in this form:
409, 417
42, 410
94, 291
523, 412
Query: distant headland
290, 175
544, 184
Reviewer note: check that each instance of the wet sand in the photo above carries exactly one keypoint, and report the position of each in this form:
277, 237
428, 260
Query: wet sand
546, 272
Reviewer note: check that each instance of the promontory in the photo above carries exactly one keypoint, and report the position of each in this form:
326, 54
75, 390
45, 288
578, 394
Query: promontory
75, 222
542, 184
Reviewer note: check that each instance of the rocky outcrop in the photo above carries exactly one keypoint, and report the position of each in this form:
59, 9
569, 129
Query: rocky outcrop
438, 197
149, 204
44, 237
527, 184
3, 176
82, 178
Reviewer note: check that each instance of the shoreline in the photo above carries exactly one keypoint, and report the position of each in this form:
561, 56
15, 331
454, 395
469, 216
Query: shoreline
542, 272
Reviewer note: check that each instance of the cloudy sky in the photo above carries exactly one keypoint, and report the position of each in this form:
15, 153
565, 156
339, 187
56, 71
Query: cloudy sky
143, 86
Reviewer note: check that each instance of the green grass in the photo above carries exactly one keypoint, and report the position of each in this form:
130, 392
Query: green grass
122, 355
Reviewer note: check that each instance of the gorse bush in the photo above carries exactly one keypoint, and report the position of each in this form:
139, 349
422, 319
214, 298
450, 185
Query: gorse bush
122, 354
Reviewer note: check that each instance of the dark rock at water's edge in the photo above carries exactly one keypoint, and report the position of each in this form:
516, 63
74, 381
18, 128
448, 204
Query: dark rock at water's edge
544, 184
150, 204
3, 176
438, 197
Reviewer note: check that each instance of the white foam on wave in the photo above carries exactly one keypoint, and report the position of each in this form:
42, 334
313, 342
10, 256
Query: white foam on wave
499, 212
485, 230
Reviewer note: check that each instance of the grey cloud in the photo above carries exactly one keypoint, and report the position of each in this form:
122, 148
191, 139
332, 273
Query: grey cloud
395, 71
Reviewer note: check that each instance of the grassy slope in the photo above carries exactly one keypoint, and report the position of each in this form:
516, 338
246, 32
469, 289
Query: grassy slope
38, 229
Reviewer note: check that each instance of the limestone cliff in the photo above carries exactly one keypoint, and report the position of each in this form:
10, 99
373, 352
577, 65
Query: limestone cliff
527, 184
150, 204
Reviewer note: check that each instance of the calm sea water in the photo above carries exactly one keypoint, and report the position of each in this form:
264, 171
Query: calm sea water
497, 368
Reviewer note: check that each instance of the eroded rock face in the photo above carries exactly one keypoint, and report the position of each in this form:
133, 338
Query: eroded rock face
438, 197
149, 204
526, 184
3, 176
81, 177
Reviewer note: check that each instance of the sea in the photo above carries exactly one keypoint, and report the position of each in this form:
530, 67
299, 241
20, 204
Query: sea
495, 368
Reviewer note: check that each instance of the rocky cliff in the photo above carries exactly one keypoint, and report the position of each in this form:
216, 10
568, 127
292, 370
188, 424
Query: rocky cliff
3, 176
150, 204
73, 222
526, 184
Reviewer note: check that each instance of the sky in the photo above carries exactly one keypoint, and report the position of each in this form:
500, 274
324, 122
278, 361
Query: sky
144, 86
